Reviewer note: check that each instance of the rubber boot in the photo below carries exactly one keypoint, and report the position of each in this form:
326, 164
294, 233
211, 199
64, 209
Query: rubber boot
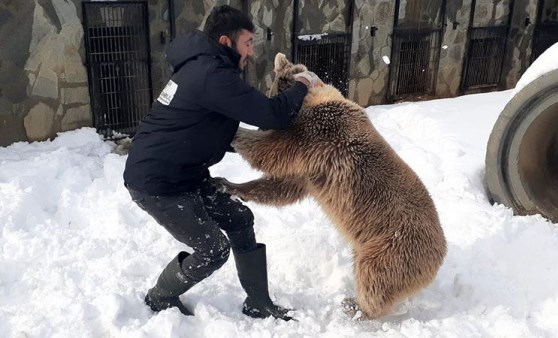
171, 283
252, 272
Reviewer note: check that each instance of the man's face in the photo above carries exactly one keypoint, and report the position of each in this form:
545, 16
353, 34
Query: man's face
244, 45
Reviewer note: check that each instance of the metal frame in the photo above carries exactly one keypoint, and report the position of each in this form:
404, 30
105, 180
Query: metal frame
544, 34
294, 31
396, 88
120, 84
480, 73
172, 19
320, 57
334, 42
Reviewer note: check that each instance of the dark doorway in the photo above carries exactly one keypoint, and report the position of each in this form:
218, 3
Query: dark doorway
415, 54
546, 28
486, 43
118, 64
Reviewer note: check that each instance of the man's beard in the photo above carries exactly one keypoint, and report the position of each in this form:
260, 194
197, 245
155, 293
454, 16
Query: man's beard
246, 61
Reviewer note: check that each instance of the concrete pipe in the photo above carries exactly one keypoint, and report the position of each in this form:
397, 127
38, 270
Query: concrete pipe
522, 152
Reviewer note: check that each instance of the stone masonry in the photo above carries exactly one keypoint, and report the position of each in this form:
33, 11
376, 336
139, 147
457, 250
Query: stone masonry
44, 86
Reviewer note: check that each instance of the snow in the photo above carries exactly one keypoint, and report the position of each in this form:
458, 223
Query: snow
310, 37
544, 63
77, 256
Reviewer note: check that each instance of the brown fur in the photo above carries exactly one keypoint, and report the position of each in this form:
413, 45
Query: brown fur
333, 153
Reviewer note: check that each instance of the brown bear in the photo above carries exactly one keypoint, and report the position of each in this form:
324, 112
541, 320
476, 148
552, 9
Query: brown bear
332, 152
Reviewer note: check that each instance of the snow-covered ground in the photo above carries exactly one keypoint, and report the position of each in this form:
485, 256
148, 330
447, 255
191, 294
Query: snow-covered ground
77, 256
543, 64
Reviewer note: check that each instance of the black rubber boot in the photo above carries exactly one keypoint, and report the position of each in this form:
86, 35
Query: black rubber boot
171, 283
252, 272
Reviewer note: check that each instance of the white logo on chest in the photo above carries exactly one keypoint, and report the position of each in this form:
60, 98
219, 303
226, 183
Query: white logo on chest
168, 93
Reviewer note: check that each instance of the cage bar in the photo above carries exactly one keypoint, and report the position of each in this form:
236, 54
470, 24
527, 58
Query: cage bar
118, 62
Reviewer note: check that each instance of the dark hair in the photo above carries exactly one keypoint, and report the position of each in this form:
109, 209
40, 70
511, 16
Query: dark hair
227, 20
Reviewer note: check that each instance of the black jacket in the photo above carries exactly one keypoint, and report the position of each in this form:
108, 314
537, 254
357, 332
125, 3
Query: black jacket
192, 123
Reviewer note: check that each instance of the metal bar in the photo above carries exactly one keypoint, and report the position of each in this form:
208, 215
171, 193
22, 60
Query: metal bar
112, 79
294, 33
505, 47
172, 20
104, 57
87, 43
117, 54
319, 56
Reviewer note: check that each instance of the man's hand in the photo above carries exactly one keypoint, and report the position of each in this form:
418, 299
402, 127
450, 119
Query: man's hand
221, 184
310, 79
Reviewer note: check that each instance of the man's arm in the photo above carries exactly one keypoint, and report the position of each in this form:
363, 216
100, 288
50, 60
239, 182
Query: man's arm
226, 93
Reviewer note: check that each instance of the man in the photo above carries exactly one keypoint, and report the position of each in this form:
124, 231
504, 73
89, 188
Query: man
189, 129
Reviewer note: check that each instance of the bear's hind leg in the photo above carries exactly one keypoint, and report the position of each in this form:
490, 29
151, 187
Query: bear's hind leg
351, 309
378, 284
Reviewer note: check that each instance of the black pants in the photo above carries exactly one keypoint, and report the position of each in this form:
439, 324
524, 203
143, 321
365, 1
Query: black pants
196, 219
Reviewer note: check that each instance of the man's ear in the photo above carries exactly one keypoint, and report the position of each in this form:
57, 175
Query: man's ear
225, 40
281, 62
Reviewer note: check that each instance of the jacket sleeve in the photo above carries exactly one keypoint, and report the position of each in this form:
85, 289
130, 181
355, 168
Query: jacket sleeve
225, 92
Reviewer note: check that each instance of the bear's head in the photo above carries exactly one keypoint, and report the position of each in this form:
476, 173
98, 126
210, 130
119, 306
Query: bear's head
284, 79
284, 71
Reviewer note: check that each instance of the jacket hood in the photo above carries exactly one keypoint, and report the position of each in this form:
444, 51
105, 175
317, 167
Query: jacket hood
195, 43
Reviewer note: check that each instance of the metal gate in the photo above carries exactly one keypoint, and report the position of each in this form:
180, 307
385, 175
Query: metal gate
118, 64
486, 44
546, 28
326, 54
415, 53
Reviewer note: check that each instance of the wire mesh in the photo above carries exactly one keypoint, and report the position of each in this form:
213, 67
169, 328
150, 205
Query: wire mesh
414, 59
117, 47
485, 52
327, 55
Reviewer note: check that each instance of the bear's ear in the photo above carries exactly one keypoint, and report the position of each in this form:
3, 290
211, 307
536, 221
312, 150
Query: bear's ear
281, 62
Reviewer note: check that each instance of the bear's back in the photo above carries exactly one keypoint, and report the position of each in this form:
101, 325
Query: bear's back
361, 180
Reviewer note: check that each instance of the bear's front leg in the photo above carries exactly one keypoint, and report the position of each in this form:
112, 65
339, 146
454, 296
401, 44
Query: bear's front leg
249, 144
266, 190
273, 151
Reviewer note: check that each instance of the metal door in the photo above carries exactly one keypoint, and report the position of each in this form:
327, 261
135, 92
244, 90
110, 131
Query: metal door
118, 64
327, 54
489, 26
415, 55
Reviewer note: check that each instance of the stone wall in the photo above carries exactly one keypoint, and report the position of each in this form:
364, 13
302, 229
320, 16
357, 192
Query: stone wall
314, 17
518, 51
368, 72
159, 39
43, 80
277, 16
188, 15
453, 48
373, 24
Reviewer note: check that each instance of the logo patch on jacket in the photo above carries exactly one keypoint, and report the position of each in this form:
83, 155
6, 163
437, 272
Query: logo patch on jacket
168, 93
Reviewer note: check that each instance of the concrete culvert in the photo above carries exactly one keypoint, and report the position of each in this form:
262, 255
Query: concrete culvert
522, 152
